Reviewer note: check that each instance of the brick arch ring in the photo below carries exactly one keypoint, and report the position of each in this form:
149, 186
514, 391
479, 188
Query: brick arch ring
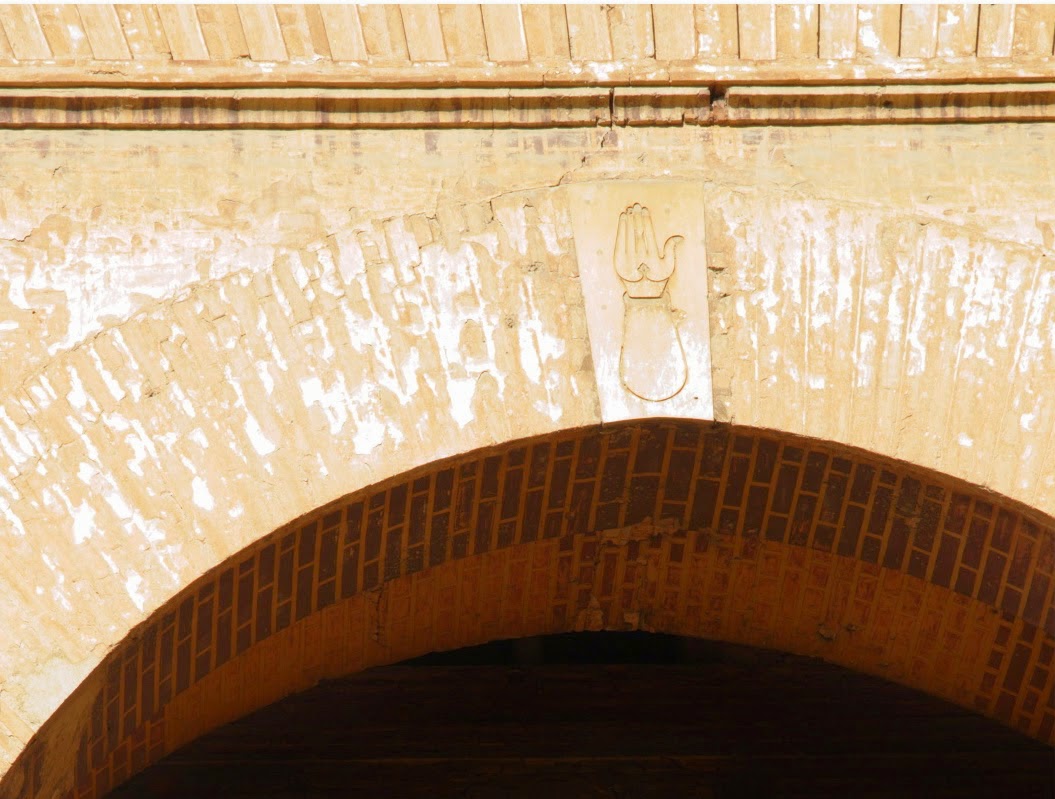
693, 528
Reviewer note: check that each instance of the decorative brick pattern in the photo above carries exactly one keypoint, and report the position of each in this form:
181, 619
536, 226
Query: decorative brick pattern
828, 533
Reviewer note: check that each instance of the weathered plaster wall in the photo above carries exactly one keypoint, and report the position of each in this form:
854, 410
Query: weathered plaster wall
205, 335
252, 370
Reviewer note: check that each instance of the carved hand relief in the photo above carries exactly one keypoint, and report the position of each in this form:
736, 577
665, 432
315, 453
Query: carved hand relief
645, 296
652, 361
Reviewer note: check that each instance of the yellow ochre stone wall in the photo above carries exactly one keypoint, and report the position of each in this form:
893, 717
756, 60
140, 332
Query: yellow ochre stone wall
207, 334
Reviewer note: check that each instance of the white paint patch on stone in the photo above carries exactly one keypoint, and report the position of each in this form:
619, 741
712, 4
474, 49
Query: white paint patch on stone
104, 487
117, 504
263, 371
350, 262
89, 446
1034, 347
410, 367
329, 275
402, 247
601, 70
261, 443
489, 240
141, 445
549, 236
139, 453
327, 346
283, 300
451, 299
965, 440
300, 273
132, 381
111, 384
43, 394
16, 291
109, 561
529, 357
461, 395
197, 435
369, 435
333, 401
59, 596
24, 444
821, 286
83, 523
16, 523
894, 315
132, 585
151, 530
76, 396
202, 498
869, 38
321, 465
372, 333
977, 310
511, 218
916, 363
538, 347
184, 401
100, 282
276, 355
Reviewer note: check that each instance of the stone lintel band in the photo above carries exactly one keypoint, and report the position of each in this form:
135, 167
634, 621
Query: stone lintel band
69, 73
510, 108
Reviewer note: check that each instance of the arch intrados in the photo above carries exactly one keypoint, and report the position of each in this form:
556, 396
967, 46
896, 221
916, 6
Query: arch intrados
693, 528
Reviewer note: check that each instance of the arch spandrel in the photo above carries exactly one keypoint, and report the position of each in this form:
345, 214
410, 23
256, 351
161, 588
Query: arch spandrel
684, 527
930, 337
196, 364
161, 446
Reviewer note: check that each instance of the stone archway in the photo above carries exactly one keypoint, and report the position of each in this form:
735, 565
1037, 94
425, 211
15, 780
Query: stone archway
692, 528
274, 284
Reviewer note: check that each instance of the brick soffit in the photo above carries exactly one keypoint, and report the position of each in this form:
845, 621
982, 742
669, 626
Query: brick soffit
421, 66
755, 537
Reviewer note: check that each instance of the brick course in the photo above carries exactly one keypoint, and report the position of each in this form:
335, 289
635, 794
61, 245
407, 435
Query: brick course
693, 528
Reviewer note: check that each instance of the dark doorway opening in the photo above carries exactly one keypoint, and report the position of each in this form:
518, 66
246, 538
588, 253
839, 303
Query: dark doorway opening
606, 715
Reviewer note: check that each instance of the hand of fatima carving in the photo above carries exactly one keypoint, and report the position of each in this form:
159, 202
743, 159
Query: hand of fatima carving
652, 360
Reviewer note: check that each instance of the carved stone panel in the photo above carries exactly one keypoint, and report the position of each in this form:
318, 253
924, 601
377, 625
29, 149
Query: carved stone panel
641, 252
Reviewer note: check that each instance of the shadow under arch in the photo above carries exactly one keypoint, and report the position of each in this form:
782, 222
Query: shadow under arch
691, 528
